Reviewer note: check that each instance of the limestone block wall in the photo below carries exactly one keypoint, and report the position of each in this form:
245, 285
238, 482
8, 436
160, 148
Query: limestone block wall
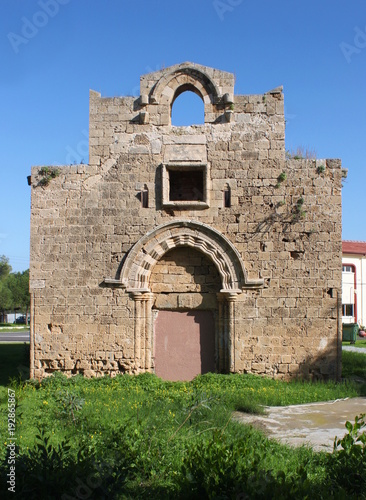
269, 259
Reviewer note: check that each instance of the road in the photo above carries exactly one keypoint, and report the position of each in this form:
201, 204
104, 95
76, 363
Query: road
14, 336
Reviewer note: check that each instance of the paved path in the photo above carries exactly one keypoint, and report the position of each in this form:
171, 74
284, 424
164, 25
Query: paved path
353, 348
314, 424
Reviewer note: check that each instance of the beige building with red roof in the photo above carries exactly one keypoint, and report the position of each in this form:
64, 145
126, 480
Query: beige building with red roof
354, 282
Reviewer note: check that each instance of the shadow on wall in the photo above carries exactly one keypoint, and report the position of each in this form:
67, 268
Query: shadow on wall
324, 366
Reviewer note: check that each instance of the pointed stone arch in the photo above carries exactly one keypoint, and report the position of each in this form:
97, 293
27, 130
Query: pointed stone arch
137, 268
160, 89
185, 77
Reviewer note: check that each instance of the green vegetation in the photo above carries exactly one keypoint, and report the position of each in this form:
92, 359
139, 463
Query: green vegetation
141, 437
14, 289
8, 327
298, 211
360, 342
281, 178
47, 174
354, 365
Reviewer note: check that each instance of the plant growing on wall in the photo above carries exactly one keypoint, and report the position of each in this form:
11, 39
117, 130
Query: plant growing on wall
299, 213
281, 178
300, 153
46, 174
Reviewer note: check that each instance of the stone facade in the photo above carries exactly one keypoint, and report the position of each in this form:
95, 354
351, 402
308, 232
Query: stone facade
208, 217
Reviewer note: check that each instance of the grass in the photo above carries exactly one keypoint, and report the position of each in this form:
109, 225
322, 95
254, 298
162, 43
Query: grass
141, 437
360, 342
11, 327
354, 366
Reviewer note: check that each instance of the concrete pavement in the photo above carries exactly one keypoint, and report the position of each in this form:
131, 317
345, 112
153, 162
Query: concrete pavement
314, 424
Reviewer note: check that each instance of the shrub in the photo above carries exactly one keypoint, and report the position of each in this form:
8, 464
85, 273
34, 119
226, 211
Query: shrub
347, 464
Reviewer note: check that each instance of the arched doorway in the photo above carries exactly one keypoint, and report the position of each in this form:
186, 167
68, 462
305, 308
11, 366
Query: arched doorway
185, 284
135, 277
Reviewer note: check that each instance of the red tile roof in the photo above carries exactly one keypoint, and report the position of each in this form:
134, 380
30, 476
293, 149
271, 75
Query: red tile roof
355, 247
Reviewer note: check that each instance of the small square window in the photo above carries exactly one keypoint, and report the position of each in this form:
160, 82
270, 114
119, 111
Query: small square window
185, 186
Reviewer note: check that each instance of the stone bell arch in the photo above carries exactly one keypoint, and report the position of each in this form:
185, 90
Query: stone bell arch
160, 89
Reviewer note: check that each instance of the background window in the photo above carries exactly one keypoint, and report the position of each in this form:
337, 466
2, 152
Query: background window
347, 309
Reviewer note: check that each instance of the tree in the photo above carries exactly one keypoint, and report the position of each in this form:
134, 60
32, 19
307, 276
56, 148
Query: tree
14, 289
5, 294
18, 284
5, 267
5, 300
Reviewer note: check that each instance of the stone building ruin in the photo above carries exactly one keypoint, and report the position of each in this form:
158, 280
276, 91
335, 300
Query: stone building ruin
183, 250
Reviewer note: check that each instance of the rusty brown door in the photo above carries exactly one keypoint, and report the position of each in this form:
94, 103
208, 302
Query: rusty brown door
184, 344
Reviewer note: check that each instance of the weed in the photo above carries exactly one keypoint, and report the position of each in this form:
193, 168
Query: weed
301, 153
298, 212
320, 169
281, 178
46, 174
71, 405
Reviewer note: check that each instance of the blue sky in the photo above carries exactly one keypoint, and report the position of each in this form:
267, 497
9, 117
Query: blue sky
54, 51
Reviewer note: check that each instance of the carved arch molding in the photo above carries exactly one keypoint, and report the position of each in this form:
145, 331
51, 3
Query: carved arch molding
170, 85
135, 277
215, 88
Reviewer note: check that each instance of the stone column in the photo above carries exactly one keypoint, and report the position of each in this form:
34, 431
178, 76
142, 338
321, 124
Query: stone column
226, 299
231, 331
220, 338
138, 324
143, 330
147, 301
